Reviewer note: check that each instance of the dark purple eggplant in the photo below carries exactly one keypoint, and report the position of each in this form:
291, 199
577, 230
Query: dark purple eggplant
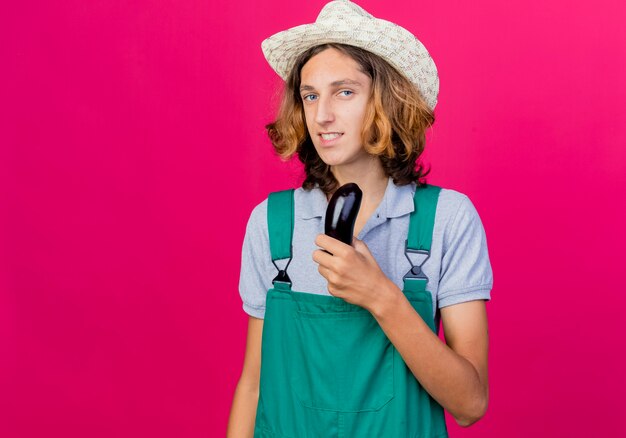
342, 211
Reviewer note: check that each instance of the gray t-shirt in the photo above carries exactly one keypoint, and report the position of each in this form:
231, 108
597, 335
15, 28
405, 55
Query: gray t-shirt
458, 268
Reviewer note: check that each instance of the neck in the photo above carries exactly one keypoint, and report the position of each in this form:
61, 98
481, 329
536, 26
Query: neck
368, 175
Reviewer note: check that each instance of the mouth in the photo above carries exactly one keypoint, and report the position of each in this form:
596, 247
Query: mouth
328, 138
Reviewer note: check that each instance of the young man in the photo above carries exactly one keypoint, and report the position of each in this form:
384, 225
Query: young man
345, 342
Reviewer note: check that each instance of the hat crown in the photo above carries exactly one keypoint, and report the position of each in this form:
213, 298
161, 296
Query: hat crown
345, 22
341, 10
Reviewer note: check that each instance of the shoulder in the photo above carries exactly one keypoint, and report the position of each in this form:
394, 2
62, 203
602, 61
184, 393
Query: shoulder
256, 228
451, 199
455, 209
257, 222
259, 213
449, 202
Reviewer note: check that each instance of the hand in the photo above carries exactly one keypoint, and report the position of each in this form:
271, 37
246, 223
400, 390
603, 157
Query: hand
351, 271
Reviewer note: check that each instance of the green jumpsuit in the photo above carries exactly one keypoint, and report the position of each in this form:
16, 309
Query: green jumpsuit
327, 368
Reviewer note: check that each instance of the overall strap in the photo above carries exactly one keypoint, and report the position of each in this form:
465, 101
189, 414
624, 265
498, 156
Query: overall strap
280, 224
422, 220
420, 238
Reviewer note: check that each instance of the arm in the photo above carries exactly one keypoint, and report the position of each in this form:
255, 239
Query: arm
246, 397
454, 374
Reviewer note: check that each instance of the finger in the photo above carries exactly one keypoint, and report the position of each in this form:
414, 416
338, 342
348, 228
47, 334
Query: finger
322, 257
332, 245
324, 271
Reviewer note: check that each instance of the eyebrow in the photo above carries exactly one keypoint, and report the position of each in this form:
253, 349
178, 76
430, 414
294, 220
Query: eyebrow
334, 84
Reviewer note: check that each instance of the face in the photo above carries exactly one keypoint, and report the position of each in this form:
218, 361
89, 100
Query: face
335, 94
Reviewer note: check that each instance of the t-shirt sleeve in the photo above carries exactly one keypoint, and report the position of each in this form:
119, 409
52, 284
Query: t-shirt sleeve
466, 273
257, 270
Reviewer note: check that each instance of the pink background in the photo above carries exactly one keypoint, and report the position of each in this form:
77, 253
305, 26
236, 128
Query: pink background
132, 152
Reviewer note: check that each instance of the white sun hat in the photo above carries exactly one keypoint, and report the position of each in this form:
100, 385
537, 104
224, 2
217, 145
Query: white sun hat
347, 23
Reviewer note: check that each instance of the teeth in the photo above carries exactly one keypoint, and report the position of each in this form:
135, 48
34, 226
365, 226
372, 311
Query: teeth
330, 136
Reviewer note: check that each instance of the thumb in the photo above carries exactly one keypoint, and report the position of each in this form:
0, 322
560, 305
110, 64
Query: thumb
360, 246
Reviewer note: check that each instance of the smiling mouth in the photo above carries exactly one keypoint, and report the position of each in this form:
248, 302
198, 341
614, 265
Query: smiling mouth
331, 135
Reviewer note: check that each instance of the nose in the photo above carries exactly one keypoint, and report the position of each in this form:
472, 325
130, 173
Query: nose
324, 111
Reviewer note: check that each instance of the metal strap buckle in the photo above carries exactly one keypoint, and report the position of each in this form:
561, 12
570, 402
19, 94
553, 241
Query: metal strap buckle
282, 276
416, 270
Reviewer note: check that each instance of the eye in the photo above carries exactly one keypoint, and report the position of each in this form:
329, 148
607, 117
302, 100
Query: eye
306, 98
346, 91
